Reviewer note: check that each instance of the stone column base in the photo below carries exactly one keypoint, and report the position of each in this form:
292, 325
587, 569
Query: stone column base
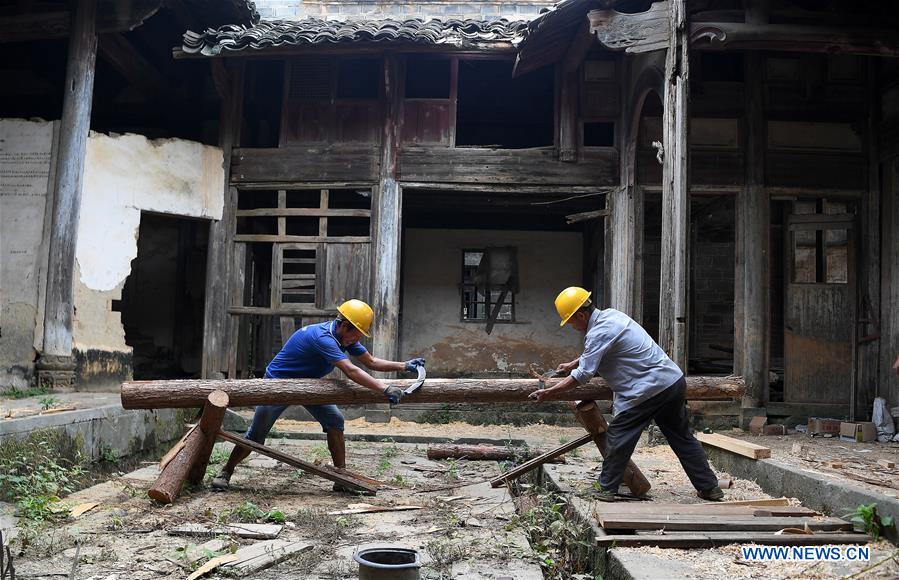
56, 373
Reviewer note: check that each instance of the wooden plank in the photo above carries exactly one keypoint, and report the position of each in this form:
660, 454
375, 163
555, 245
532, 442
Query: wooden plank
301, 239
372, 509
312, 163
212, 565
478, 165
82, 509
729, 523
540, 460
744, 448
663, 509
710, 539
251, 531
764, 502
324, 472
264, 555
111, 16
347, 274
298, 310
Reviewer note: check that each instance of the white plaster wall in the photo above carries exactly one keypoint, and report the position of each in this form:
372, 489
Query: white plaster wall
547, 262
124, 175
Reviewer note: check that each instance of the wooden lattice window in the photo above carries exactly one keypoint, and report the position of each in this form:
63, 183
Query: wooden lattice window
296, 275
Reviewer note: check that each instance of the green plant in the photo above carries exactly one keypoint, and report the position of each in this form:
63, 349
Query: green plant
384, 462
324, 528
866, 519
247, 512
219, 455
320, 452
556, 539
452, 472
33, 474
109, 454
17, 393
398, 480
48, 402
276, 516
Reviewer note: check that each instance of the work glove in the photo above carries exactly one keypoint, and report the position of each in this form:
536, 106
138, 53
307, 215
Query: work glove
393, 394
413, 364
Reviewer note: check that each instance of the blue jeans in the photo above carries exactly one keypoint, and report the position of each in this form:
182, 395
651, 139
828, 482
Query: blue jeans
328, 416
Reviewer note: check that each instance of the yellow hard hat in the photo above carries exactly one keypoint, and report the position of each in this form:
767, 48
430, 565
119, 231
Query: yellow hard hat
569, 300
358, 313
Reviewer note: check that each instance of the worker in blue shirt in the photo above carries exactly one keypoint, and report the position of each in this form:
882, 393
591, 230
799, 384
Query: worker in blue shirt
311, 353
647, 385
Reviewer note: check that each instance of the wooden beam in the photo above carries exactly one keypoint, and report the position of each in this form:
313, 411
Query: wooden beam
538, 461
586, 215
131, 64
67, 180
710, 539
722, 523
330, 474
303, 212
193, 392
738, 446
673, 300
591, 418
272, 238
111, 16
481, 452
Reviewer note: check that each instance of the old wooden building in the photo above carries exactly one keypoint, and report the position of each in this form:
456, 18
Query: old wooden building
724, 171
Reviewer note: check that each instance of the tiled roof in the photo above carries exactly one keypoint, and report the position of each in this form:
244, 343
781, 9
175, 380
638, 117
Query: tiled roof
272, 33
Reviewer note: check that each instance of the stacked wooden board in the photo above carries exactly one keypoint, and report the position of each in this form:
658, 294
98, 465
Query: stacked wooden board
765, 521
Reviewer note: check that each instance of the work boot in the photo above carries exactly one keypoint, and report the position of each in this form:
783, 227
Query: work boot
607, 495
714, 494
222, 481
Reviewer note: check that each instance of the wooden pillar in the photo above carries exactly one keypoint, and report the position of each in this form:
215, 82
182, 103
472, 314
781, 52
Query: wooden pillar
869, 346
673, 299
890, 288
755, 227
55, 367
222, 258
386, 224
626, 249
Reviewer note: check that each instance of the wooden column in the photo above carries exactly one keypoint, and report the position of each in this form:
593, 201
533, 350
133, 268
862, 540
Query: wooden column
755, 226
869, 346
890, 289
55, 367
625, 249
673, 300
222, 262
386, 224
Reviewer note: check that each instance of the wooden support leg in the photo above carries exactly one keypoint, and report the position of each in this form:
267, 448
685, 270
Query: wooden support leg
195, 449
589, 415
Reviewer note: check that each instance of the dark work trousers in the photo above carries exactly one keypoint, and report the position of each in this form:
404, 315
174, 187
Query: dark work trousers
670, 413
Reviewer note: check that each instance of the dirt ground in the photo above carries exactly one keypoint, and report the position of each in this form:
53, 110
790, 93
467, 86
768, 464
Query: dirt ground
464, 529
859, 460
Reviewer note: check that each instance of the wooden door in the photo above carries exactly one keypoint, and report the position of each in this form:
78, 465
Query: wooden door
820, 313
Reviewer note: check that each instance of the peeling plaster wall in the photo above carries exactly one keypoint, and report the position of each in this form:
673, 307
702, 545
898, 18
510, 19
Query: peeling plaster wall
432, 270
124, 175
25, 165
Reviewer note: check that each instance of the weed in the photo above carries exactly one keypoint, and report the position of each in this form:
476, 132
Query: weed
276, 516
324, 528
398, 480
249, 512
115, 523
555, 538
452, 472
444, 553
866, 519
219, 455
108, 454
320, 453
33, 474
384, 462
48, 402
17, 393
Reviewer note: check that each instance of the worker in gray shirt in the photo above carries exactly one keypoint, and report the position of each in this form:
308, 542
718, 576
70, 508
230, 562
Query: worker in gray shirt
646, 385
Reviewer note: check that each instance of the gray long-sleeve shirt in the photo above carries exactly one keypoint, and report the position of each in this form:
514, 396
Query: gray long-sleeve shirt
621, 352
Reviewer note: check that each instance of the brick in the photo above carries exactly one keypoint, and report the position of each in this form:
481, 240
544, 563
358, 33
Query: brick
774, 430
757, 424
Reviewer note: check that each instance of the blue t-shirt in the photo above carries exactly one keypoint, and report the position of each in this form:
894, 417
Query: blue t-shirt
310, 353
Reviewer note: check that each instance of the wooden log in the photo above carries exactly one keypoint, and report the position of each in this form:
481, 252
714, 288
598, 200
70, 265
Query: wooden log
589, 415
249, 392
172, 477
341, 477
482, 453
538, 461
210, 423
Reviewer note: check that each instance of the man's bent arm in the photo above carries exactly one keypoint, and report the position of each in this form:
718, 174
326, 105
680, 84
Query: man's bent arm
359, 376
379, 364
